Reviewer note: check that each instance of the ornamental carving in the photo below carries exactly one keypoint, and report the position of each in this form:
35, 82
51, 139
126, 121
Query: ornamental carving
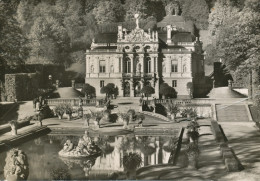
137, 35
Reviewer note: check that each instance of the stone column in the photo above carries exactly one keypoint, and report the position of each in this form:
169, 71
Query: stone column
156, 65
96, 65
87, 64
152, 63
132, 63
131, 88
168, 64
108, 65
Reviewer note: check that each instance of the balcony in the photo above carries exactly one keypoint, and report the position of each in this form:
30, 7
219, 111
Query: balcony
138, 75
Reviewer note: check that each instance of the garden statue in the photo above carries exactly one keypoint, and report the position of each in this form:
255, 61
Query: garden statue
16, 167
13, 125
86, 147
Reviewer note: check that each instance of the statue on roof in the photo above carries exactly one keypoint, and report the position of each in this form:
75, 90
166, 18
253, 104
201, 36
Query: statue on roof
137, 16
172, 8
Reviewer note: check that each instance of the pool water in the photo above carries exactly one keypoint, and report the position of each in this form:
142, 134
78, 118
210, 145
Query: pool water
44, 160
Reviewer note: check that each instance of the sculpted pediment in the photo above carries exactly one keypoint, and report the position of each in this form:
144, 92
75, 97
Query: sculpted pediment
138, 35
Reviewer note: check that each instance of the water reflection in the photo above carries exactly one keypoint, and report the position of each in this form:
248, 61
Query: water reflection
43, 155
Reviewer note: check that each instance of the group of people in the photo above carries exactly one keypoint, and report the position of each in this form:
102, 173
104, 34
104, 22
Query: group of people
38, 102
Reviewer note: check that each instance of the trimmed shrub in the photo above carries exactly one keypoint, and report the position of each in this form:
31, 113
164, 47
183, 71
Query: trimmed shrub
131, 113
189, 111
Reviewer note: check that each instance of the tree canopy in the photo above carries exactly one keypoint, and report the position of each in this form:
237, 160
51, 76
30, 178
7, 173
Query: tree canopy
167, 91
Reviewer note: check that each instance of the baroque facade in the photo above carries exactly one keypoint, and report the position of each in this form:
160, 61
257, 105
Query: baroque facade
131, 59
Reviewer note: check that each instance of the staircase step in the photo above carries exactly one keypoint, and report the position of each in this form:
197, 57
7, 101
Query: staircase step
232, 113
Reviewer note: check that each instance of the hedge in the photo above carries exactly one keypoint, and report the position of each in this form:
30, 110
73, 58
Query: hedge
21, 86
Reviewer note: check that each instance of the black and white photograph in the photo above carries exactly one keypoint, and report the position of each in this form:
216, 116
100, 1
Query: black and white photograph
130, 90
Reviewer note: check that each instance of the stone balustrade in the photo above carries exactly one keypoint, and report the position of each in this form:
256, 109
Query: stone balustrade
181, 101
75, 101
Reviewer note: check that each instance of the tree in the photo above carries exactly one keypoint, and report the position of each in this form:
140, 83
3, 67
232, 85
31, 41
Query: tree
135, 6
108, 90
88, 90
13, 44
108, 11
239, 40
147, 90
167, 91
197, 11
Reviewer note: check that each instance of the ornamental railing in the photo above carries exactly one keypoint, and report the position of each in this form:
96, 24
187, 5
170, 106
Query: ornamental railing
75, 102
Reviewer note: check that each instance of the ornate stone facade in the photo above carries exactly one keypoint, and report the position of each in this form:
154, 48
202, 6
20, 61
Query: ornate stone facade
137, 58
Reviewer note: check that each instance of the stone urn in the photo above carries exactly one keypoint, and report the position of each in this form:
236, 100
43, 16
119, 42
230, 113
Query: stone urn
13, 125
188, 117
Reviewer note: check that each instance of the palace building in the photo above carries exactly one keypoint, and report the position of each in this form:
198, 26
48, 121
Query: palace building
131, 59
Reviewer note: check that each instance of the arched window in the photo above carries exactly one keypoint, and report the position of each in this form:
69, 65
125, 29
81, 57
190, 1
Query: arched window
128, 65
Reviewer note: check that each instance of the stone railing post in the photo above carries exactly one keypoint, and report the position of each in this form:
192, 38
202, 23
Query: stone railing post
73, 83
230, 84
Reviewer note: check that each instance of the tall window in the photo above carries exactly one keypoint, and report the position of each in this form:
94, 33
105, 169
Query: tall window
148, 65
102, 66
119, 63
128, 66
174, 83
174, 66
102, 83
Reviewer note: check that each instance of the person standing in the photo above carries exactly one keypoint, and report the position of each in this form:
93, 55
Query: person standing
34, 103
37, 105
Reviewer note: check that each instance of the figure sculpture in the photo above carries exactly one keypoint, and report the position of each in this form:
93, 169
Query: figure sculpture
16, 167
86, 147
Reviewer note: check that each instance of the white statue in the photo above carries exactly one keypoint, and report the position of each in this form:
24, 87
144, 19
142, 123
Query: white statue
137, 16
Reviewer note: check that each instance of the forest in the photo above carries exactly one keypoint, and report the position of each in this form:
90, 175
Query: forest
60, 31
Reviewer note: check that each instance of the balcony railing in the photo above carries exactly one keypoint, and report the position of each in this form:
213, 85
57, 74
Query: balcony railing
136, 74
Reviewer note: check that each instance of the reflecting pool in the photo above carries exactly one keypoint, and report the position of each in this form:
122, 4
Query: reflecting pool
45, 163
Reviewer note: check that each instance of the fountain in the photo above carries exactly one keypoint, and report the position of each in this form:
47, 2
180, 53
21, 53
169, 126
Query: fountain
85, 148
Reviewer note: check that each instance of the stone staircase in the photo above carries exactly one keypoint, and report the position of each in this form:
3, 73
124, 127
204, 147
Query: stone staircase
232, 113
